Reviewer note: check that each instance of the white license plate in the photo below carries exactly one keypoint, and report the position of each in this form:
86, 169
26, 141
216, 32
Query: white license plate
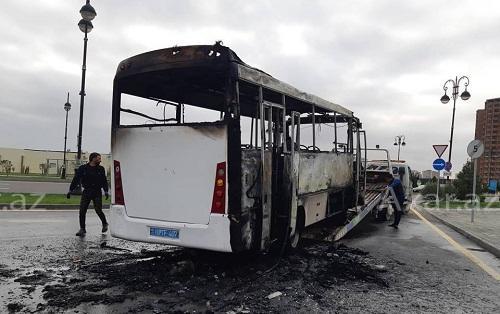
164, 232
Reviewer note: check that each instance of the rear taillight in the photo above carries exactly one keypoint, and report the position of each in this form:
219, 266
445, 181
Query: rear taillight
119, 200
219, 198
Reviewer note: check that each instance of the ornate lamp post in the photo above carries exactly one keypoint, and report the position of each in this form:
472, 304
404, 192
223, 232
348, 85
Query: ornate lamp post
88, 14
445, 99
398, 141
67, 108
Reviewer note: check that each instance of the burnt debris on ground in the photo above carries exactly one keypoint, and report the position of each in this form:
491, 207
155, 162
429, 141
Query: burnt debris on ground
5, 272
193, 280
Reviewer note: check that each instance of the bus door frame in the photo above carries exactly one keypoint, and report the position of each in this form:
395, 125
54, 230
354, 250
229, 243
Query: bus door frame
271, 140
294, 167
362, 134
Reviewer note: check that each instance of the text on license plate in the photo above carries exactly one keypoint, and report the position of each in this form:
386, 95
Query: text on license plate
164, 233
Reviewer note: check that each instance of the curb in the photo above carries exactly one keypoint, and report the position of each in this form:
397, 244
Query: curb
482, 243
45, 206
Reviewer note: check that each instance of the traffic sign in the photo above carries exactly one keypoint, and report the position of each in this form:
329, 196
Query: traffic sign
440, 149
475, 149
492, 185
438, 164
447, 166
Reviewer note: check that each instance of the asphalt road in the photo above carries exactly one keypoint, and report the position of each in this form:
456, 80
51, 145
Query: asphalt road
44, 267
33, 187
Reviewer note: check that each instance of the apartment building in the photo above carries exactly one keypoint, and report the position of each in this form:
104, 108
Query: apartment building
488, 132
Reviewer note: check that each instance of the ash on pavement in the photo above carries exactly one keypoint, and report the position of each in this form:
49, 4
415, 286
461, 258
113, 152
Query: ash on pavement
183, 280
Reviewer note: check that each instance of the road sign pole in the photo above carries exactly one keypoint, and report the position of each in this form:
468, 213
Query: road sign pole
475, 149
437, 190
474, 191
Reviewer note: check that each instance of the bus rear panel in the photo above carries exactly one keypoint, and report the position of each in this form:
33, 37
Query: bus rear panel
173, 187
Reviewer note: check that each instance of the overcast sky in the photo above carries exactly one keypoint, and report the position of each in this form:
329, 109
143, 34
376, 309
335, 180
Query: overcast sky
385, 60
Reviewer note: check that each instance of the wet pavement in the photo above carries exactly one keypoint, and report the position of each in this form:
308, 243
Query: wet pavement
376, 269
33, 187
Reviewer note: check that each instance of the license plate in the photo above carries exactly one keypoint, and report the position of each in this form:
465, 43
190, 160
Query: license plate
164, 233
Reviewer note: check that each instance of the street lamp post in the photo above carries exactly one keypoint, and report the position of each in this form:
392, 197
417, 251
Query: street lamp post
445, 99
88, 14
398, 141
67, 108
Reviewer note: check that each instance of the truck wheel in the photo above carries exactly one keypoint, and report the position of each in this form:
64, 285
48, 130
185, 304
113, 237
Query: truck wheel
383, 215
388, 215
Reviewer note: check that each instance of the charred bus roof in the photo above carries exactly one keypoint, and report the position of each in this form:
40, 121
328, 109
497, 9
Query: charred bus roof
200, 76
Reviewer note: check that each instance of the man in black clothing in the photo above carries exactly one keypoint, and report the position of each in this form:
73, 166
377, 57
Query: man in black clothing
92, 177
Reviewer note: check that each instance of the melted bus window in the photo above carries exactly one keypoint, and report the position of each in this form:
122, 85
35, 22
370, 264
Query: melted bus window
143, 111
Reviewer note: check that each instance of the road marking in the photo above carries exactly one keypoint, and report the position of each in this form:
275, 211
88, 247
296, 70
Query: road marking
30, 238
33, 221
460, 248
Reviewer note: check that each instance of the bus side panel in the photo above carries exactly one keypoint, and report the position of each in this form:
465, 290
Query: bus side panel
322, 171
315, 207
168, 172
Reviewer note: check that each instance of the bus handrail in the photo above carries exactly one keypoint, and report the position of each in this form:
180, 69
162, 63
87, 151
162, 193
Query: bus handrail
146, 116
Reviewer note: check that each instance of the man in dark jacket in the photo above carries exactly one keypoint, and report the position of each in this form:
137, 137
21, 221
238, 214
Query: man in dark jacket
397, 192
92, 178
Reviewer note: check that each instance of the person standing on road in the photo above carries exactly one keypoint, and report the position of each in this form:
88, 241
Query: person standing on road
396, 190
92, 178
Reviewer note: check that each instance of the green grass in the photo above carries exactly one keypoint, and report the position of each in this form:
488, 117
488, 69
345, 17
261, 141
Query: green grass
47, 199
459, 205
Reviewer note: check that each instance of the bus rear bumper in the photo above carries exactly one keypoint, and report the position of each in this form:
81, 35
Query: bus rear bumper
215, 236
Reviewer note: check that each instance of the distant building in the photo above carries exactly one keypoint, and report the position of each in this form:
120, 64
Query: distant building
488, 132
49, 162
429, 174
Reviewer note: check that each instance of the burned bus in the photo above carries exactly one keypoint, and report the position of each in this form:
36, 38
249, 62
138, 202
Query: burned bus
212, 153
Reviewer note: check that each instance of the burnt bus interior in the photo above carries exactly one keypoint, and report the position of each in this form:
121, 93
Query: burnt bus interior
265, 119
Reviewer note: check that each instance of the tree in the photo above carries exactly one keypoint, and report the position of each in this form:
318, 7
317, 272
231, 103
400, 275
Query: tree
464, 182
415, 177
5, 165
448, 191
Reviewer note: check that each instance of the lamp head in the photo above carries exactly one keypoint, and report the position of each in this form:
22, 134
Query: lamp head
85, 26
445, 99
88, 12
465, 95
67, 106
404, 143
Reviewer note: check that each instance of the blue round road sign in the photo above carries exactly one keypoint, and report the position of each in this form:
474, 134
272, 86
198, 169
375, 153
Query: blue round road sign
439, 164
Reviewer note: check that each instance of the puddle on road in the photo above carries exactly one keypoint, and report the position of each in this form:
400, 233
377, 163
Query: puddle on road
24, 292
